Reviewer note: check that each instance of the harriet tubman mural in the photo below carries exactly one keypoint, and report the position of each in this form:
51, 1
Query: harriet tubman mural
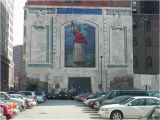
79, 45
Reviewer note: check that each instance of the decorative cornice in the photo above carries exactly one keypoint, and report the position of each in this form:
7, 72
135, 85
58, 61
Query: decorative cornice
118, 11
41, 10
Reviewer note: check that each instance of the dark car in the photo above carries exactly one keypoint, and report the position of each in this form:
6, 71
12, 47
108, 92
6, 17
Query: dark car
116, 100
62, 95
51, 96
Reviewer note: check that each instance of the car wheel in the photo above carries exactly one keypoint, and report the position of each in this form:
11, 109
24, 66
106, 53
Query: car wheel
116, 115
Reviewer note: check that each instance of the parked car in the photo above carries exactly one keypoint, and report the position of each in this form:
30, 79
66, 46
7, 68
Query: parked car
51, 96
2, 117
29, 102
153, 114
29, 94
134, 107
6, 96
40, 96
6, 110
156, 94
116, 100
96, 95
62, 95
114, 93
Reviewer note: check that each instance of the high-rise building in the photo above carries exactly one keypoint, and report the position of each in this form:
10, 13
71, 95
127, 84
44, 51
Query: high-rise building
6, 37
79, 45
146, 43
18, 65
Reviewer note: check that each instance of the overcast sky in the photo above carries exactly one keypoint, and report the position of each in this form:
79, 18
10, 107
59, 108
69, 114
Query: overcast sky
18, 22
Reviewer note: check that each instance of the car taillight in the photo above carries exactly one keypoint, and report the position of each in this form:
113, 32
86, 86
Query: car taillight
14, 106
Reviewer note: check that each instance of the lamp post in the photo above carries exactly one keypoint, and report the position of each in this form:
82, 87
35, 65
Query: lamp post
144, 34
101, 72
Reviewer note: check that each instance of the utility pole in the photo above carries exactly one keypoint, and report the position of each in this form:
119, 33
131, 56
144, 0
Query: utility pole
101, 72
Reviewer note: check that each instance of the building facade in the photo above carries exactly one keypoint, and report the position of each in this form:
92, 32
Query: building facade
78, 46
6, 36
146, 44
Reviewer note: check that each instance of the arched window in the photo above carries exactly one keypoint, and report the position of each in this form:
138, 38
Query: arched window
149, 62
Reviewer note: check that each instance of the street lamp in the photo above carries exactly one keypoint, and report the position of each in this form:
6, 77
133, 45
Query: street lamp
144, 20
101, 72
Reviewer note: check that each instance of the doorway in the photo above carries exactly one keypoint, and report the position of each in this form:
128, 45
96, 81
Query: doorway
79, 84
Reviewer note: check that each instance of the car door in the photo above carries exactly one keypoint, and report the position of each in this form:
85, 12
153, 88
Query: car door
134, 108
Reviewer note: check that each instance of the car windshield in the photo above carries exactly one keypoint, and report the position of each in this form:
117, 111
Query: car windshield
27, 93
38, 93
126, 101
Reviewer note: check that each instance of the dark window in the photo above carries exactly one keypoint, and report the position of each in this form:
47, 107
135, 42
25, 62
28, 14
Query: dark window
135, 41
57, 86
148, 41
149, 62
148, 25
25, 14
150, 7
135, 61
134, 25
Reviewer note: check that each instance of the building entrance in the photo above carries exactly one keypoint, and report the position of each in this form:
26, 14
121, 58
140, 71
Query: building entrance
79, 84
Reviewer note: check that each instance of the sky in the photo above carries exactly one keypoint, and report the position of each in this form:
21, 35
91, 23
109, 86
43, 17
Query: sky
18, 22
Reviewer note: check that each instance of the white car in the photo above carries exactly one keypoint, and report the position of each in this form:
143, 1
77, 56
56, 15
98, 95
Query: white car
133, 107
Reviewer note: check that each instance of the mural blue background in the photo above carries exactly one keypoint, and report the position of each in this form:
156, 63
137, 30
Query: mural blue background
89, 32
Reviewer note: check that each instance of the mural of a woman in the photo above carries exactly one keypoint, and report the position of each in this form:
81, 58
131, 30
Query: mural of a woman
79, 42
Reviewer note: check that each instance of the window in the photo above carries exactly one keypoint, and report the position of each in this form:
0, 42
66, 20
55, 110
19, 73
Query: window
135, 62
151, 101
149, 62
134, 25
148, 41
135, 41
25, 14
138, 102
148, 25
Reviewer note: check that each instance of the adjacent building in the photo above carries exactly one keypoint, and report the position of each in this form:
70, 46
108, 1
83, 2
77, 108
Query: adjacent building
79, 45
146, 44
6, 43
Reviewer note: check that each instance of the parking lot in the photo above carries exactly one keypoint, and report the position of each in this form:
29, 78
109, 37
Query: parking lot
59, 110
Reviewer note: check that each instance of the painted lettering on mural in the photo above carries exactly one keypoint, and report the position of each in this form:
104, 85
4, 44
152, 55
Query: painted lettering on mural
79, 45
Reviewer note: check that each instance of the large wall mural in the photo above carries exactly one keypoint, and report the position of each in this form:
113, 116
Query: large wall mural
79, 45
